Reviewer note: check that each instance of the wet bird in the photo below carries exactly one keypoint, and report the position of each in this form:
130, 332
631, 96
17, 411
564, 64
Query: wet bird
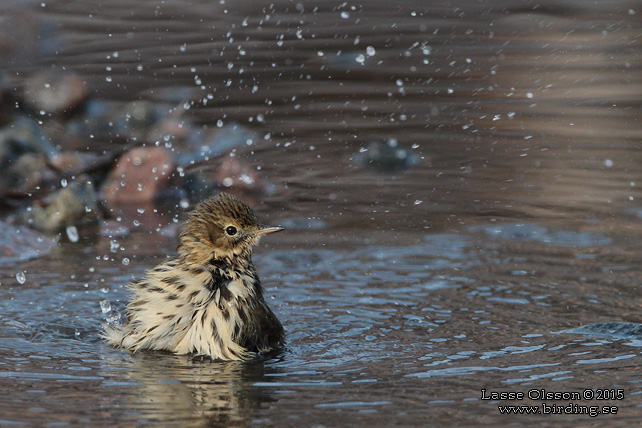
209, 299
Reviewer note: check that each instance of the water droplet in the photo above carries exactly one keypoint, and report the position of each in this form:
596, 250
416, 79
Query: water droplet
105, 306
246, 179
113, 246
63, 182
21, 278
418, 202
72, 233
125, 261
370, 51
608, 163
360, 59
113, 317
345, 15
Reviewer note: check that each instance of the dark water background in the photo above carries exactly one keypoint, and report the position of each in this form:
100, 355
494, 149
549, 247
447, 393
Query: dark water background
404, 294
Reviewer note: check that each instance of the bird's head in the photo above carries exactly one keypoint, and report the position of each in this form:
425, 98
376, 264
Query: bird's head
221, 227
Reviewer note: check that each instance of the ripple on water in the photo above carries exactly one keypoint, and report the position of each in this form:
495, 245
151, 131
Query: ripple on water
338, 306
614, 330
62, 319
362, 305
469, 370
532, 232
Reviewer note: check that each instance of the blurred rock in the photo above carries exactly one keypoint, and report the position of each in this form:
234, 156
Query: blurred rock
96, 123
206, 144
76, 133
54, 93
26, 173
24, 151
25, 135
112, 121
18, 243
199, 185
171, 130
232, 175
239, 175
386, 156
73, 205
71, 161
135, 118
142, 174
175, 128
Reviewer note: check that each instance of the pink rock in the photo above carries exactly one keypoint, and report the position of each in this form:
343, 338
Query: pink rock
239, 175
54, 92
141, 174
68, 161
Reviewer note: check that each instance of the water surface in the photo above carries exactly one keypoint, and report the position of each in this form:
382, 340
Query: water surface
402, 294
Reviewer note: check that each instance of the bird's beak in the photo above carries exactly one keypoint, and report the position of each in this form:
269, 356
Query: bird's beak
265, 230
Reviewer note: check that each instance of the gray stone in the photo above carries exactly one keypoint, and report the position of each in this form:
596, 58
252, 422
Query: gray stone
18, 243
24, 151
386, 156
73, 205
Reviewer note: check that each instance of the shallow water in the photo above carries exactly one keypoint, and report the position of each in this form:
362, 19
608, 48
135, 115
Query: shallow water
405, 294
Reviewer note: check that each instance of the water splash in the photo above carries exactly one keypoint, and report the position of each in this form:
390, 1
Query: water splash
72, 233
21, 277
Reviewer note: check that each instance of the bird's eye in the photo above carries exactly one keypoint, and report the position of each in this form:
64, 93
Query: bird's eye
230, 230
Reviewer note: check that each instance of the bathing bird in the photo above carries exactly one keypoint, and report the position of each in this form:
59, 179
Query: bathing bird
208, 300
